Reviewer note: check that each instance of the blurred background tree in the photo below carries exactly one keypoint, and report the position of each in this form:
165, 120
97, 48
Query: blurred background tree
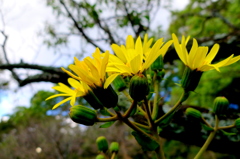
99, 24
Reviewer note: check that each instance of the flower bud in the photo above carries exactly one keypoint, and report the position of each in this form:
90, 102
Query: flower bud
139, 87
107, 97
83, 115
190, 79
119, 83
102, 144
100, 156
158, 64
114, 147
220, 106
237, 123
193, 113
93, 100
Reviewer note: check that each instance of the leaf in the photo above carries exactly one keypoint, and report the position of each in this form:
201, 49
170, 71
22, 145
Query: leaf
105, 112
207, 128
107, 124
228, 133
166, 120
147, 143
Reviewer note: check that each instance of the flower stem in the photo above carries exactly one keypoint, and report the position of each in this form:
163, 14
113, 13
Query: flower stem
149, 117
155, 101
175, 107
128, 112
209, 139
107, 119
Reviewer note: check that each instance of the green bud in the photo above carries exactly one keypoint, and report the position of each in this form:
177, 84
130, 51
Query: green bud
93, 100
158, 64
102, 144
160, 74
139, 87
119, 83
193, 113
83, 115
107, 97
114, 147
220, 106
237, 123
100, 156
190, 79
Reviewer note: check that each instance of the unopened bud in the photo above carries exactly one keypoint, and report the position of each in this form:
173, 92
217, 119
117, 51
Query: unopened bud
107, 97
158, 64
139, 87
190, 79
220, 106
114, 147
102, 144
82, 115
193, 113
237, 123
119, 83
100, 156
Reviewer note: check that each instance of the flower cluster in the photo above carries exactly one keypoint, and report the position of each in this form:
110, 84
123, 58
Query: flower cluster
91, 78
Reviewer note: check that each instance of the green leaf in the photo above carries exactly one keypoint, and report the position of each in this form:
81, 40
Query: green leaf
105, 112
107, 124
147, 143
207, 128
228, 133
166, 120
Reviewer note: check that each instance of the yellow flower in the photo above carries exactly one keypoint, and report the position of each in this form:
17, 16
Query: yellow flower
134, 58
198, 58
90, 71
80, 89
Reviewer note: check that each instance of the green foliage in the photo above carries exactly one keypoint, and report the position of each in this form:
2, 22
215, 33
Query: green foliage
198, 17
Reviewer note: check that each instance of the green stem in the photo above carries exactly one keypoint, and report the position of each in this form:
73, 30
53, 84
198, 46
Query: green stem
149, 117
131, 125
155, 100
209, 139
205, 122
175, 107
107, 119
113, 155
141, 125
141, 110
159, 151
128, 112
226, 127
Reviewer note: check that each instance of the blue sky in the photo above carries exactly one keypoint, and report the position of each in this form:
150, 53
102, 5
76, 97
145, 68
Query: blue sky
22, 20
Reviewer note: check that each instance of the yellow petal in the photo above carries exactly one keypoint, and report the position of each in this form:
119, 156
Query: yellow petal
212, 53
136, 64
63, 101
57, 95
129, 42
110, 79
118, 51
74, 83
178, 49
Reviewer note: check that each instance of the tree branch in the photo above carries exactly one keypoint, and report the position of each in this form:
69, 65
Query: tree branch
45, 77
80, 29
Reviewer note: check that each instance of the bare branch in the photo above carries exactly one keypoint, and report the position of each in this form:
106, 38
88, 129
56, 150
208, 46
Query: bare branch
15, 76
45, 77
32, 66
80, 29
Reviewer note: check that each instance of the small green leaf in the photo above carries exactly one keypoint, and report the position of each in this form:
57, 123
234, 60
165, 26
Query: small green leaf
207, 128
105, 112
147, 143
107, 124
228, 133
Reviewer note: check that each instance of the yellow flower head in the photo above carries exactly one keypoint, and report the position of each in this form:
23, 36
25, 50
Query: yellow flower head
80, 89
135, 57
198, 58
91, 70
